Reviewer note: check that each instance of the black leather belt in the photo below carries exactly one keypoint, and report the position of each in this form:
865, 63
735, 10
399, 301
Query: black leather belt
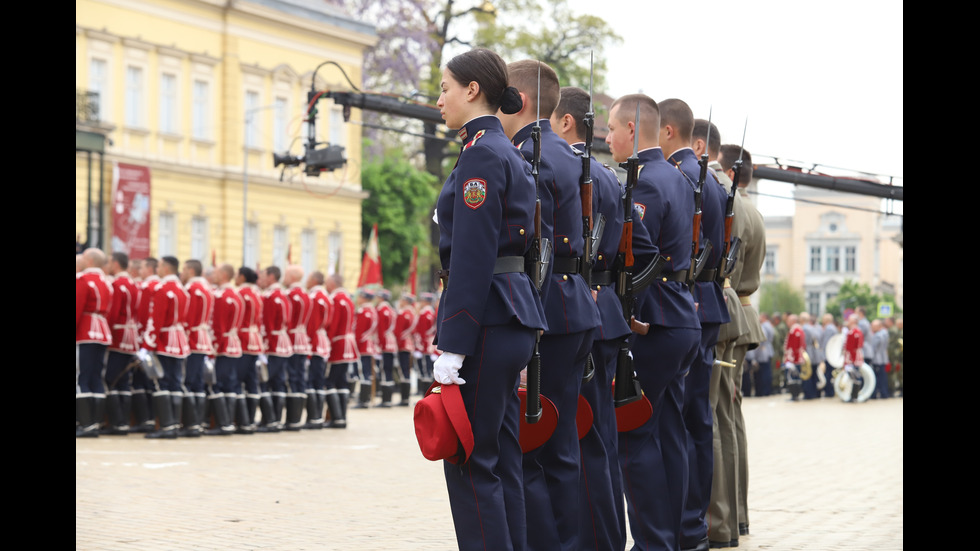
503, 265
707, 275
605, 277
674, 276
567, 264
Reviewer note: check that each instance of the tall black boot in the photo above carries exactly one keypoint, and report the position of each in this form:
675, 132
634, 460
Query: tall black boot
244, 424
126, 411
294, 411
335, 405
85, 416
98, 410
314, 411
387, 391
142, 418
201, 407
189, 416
165, 416
221, 416
251, 406
268, 423
405, 389
278, 404
364, 399
117, 423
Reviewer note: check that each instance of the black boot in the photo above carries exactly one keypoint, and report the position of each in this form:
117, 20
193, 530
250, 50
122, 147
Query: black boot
294, 411
221, 416
126, 411
387, 391
337, 420
405, 389
201, 407
251, 406
364, 400
268, 423
314, 411
165, 416
117, 425
177, 405
98, 411
189, 417
278, 404
244, 424
85, 417
142, 418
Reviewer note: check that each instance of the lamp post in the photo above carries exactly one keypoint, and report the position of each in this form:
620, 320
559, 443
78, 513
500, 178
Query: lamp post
249, 113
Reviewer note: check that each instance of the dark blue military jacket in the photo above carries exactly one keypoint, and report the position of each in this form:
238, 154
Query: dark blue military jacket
607, 199
666, 202
708, 294
485, 210
568, 302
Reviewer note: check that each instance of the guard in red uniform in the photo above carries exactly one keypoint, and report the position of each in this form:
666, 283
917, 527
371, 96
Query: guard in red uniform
316, 330
425, 332
229, 311
387, 345
143, 386
366, 331
276, 313
854, 355
92, 336
250, 335
343, 351
125, 344
165, 336
793, 350
200, 308
405, 337
299, 318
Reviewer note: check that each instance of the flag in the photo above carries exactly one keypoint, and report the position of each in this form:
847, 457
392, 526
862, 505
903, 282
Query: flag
371, 264
289, 254
214, 258
413, 276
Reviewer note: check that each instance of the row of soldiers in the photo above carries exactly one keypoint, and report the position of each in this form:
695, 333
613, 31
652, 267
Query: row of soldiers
169, 348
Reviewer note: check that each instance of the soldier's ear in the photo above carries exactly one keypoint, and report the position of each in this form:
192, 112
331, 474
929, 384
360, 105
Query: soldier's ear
472, 90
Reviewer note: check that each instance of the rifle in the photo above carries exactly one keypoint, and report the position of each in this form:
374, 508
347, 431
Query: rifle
699, 257
627, 389
540, 252
585, 190
732, 244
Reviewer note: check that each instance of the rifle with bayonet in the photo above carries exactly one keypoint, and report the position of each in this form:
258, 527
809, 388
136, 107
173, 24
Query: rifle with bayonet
540, 253
699, 255
589, 237
732, 244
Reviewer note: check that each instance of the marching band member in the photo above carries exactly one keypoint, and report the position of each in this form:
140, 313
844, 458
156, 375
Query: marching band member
229, 312
316, 329
122, 318
93, 296
198, 327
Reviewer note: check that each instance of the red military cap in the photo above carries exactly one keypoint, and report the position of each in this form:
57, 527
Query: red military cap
632, 415
533, 435
442, 426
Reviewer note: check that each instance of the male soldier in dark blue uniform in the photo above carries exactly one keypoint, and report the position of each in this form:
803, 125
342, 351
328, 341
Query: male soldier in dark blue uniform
676, 136
602, 514
654, 456
553, 468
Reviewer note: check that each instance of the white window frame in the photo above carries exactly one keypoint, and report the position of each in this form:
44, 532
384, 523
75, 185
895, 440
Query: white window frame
200, 237
135, 94
335, 260
251, 244
280, 245
167, 234
169, 103
308, 250
98, 81
253, 99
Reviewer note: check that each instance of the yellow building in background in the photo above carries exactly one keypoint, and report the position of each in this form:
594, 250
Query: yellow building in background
199, 94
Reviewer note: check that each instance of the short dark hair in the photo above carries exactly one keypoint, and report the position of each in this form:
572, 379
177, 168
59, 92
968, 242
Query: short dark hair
317, 276
701, 131
274, 271
195, 266
678, 114
151, 262
122, 259
727, 157
649, 112
248, 274
523, 75
172, 262
574, 101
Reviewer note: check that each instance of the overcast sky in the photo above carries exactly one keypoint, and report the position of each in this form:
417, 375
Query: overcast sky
819, 82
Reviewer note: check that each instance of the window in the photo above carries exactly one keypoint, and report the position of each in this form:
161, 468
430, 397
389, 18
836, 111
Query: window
252, 132
280, 243
251, 245
167, 238
850, 259
98, 81
770, 263
833, 259
134, 96
199, 238
280, 135
334, 243
813, 302
168, 103
308, 246
201, 110
815, 256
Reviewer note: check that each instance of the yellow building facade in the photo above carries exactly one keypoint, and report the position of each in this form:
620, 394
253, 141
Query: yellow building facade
202, 93
831, 238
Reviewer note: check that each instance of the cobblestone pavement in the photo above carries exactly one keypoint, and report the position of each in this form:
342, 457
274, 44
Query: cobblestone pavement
824, 475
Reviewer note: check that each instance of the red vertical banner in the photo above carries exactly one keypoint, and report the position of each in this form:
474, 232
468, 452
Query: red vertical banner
131, 210
371, 264
413, 275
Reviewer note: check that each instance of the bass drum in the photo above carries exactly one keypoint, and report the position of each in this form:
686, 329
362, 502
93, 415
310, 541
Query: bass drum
844, 384
834, 351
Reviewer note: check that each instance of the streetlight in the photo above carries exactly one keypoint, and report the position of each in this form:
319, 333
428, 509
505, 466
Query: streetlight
248, 121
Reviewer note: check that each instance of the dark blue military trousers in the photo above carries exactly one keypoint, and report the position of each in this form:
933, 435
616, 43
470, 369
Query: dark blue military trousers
698, 420
654, 456
486, 492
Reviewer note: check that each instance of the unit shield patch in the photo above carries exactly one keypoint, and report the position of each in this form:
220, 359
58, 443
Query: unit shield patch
474, 192
642, 208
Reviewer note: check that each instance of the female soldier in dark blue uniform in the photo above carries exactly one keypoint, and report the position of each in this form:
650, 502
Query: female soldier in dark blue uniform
489, 310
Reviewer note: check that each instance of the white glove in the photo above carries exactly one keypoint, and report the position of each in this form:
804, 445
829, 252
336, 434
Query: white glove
416, 354
446, 369
144, 355
789, 366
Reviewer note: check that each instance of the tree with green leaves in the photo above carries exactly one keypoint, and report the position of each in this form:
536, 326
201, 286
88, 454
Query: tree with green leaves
780, 296
853, 294
401, 205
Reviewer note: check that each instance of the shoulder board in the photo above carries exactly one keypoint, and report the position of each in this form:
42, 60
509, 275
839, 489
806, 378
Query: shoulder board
476, 137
